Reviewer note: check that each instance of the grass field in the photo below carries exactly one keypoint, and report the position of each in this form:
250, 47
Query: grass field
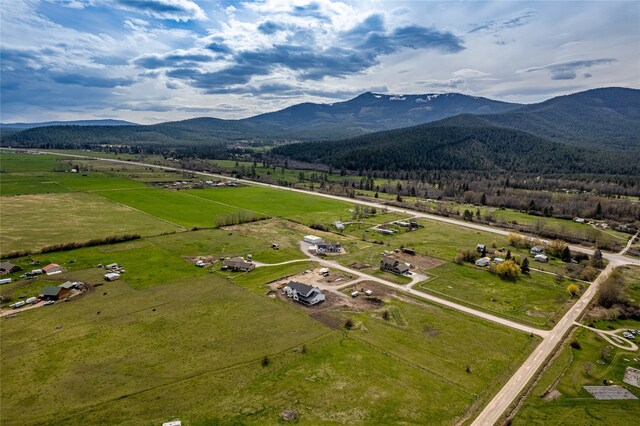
537, 299
572, 369
35, 221
273, 202
193, 348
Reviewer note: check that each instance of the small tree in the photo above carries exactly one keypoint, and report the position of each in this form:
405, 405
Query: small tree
573, 289
557, 247
508, 269
566, 254
508, 256
596, 260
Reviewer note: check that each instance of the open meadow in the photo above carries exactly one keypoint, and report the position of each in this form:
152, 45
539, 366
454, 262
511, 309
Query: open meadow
212, 346
558, 397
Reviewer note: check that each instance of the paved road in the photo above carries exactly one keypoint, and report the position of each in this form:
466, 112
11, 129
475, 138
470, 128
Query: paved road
501, 402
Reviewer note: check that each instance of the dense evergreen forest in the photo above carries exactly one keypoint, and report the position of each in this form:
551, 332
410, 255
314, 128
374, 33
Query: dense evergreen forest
463, 143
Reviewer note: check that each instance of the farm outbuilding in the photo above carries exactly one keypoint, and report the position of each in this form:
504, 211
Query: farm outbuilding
541, 258
8, 268
111, 276
52, 268
312, 239
485, 261
53, 293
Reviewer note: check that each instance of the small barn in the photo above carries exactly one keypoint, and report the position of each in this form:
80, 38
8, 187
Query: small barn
339, 225
541, 258
8, 268
537, 250
53, 293
111, 276
312, 239
485, 261
52, 268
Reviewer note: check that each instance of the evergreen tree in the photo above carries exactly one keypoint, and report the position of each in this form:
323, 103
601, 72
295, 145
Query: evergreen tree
525, 266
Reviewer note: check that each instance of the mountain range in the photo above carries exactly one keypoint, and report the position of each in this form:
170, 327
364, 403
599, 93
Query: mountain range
572, 133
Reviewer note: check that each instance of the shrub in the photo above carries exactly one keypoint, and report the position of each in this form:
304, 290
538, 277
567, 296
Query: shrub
320, 227
348, 324
575, 344
265, 361
508, 269
573, 289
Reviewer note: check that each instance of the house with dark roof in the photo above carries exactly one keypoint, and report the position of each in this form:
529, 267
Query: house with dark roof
537, 250
238, 264
394, 266
326, 247
303, 293
8, 268
53, 293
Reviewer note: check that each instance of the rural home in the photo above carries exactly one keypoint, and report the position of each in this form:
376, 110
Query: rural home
312, 239
480, 248
239, 264
8, 268
485, 261
52, 268
402, 223
304, 293
537, 250
339, 225
325, 247
541, 258
394, 266
53, 293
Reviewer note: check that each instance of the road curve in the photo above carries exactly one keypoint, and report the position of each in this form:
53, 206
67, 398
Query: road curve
404, 289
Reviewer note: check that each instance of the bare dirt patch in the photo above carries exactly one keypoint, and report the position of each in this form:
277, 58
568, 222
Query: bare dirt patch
551, 395
207, 260
418, 261
359, 266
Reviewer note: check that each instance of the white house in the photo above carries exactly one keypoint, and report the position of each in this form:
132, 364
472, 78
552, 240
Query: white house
304, 293
541, 258
485, 261
312, 239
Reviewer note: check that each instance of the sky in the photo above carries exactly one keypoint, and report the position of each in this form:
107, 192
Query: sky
149, 61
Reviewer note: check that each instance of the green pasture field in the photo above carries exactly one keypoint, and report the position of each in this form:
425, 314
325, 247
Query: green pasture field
424, 335
177, 207
41, 174
274, 201
536, 298
35, 221
572, 369
192, 348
